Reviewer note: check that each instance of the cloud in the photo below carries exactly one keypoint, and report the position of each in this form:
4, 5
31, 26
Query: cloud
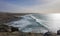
47, 6
50, 6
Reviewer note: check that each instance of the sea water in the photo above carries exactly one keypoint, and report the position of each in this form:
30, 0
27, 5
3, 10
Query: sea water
38, 23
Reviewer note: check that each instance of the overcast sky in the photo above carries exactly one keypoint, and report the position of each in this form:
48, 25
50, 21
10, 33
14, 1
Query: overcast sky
30, 6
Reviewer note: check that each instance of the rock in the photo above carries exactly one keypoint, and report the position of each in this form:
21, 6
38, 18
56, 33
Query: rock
6, 28
47, 34
13, 29
58, 32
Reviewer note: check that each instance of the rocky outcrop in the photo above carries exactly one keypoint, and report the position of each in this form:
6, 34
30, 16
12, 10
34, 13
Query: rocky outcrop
6, 28
58, 32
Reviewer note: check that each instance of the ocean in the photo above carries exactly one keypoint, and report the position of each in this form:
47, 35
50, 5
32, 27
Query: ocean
38, 23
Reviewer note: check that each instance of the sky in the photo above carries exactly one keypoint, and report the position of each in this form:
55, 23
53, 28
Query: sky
30, 6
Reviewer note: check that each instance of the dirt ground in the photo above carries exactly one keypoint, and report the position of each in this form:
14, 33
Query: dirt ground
21, 34
9, 34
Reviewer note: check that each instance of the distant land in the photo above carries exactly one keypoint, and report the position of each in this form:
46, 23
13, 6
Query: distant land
3, 13
7, 17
